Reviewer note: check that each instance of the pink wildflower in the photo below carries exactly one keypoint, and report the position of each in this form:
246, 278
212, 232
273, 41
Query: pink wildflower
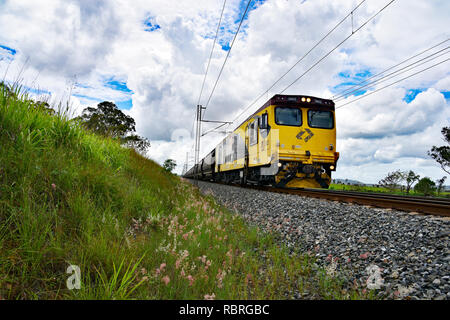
191, 280
166, 280
185, 236
177, 264
53, 186
162, 266
182, 273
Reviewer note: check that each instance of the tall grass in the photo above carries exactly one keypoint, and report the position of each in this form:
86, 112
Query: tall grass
69, 197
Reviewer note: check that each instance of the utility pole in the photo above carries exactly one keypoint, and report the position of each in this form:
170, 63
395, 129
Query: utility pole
197, 139
186, 164
198, 135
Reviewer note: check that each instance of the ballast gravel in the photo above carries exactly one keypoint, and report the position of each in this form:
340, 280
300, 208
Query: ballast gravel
399, 254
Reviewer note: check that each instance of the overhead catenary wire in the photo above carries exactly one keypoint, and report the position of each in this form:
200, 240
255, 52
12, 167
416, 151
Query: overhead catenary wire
212, 130
212, 50
228, 54
346, 91
194, 146
209, 60
340, 43
394, 74
391, 84
301, 59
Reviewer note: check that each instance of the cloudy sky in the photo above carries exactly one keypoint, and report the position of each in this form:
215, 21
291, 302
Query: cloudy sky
150, 57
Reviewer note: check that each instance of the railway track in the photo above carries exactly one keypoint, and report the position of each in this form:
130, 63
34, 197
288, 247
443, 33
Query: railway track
433, 206
439, 207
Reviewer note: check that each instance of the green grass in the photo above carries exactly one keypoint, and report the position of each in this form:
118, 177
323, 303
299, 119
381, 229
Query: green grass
358, 188
69, 197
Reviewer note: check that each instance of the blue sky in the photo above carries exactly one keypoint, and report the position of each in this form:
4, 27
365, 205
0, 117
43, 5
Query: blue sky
229, 26
10, 50
347, 81
150, 25
125, 102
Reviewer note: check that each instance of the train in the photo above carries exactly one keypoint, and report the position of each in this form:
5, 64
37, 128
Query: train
289, 142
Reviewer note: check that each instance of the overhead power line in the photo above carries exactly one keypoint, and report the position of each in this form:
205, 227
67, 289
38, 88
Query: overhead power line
228, 54
212, 50
395, 73
349, 90
391, 84
301, 59
340, 43
209, 60
213, 130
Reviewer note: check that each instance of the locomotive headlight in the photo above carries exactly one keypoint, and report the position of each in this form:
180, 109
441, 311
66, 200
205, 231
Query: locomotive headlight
303, 99
331, 167
308, 100
279, 164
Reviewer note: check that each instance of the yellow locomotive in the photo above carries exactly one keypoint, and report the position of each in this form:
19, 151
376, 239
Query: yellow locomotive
289, 142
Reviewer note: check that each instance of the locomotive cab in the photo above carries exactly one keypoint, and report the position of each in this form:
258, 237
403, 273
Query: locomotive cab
306, 141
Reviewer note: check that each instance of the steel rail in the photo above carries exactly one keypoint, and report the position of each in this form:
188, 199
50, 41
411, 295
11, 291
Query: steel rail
439, 207
432, 206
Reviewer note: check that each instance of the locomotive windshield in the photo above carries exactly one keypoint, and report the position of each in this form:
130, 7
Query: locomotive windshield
320, 119
288, 116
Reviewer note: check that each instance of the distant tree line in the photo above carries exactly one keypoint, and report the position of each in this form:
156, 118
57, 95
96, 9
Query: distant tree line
425, 185
393, 181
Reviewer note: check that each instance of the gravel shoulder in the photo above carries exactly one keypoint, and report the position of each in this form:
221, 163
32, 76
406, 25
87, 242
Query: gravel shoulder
401, 255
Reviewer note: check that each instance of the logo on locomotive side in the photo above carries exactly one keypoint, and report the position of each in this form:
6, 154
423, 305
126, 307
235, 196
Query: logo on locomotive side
301, 133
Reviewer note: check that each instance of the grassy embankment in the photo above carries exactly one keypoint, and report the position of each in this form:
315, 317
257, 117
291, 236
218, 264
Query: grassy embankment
69, 197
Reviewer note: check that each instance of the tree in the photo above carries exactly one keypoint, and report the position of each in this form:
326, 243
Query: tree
392, 180
137, 143
425, 186
440, 184
108, 120
169, 165
43, 106
442, 154
410, 178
